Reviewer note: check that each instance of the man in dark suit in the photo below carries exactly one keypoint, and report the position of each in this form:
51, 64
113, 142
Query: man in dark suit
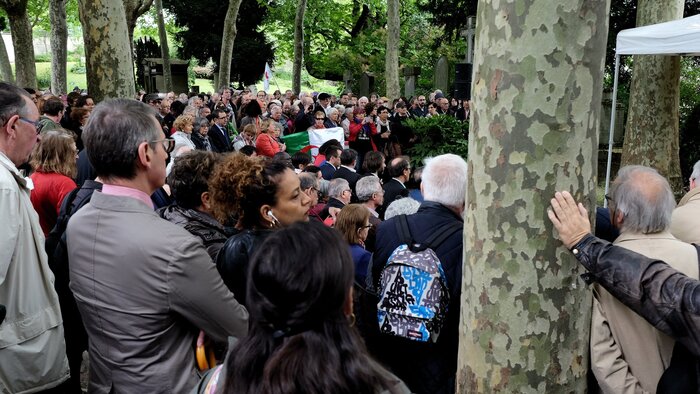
429, 367
400, 171
220, 141
348, 160
329, 167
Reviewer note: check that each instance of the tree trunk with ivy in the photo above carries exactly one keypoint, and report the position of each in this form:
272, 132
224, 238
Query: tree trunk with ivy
537, 91
227, 40
22, 40
59, 46
393, 37
164, 49
110, 71
651, 134
298, 46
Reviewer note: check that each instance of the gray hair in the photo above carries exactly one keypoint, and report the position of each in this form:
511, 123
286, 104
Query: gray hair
402, 206
307, 180
12, 102
331, 111
113, 134
366, 187
323, 186
645, 199
696, 171
444, 180
337, 186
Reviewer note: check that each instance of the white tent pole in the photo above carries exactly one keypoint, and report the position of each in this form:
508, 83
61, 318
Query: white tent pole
612, 129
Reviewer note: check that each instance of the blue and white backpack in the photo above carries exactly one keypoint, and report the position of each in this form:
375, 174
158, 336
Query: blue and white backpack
413, 292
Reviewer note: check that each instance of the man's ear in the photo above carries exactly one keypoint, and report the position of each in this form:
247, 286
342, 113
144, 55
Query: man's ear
145, 155
9, 127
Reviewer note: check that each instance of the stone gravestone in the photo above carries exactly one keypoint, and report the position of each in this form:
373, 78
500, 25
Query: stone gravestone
441, 78
366, 84
410, 75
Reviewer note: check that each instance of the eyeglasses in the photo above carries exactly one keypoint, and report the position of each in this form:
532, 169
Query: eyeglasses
222, 118
347, 190
320, 118
168, 144
364, 227
36, 124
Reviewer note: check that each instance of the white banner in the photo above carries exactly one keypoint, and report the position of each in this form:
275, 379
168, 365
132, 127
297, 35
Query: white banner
318, 136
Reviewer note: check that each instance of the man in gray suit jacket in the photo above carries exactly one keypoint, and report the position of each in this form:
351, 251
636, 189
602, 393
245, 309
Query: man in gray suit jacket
143, 285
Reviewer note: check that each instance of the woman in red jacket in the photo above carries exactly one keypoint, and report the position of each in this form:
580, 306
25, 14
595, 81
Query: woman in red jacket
362, 129
54, 160
267, 143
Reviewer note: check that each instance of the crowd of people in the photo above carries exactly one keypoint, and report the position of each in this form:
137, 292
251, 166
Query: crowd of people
177, 243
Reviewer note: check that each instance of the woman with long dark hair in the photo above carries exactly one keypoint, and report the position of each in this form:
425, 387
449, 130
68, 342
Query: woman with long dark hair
301, 338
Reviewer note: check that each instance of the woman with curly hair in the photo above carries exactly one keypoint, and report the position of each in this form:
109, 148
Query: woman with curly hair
54, 161
302, 337
262, 195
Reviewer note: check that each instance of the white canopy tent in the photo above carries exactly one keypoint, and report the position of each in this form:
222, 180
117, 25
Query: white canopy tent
674, 38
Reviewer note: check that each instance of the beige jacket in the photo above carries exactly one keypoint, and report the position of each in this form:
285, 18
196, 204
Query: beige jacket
32, 348
144, 287
684, 222
628, 355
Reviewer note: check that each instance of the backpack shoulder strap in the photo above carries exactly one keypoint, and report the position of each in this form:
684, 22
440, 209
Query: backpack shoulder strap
438, 237
403, 230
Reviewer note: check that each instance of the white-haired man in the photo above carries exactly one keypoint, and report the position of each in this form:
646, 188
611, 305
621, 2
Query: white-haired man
429, 368
627, 353
371, 195
683, 224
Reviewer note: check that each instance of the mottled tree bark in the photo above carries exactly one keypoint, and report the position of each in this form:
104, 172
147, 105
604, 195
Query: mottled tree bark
298, 46
227, 40
5, 66
164, 50
537, 91
110, 71
651, 134
391, 71
21, 30
59, 45
133, 9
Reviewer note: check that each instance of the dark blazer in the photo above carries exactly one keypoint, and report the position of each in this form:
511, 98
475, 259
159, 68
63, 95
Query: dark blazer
392, 190
332, 203
351, 177
327, 170
219, 139
425, 368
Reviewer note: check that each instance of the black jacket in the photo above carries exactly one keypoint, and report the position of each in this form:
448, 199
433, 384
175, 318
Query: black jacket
234, 258
392, 191
220, 142
667, 299
332, 203
425, 367
351, 177
200, 224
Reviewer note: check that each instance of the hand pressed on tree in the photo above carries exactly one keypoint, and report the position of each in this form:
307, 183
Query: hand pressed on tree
569, 218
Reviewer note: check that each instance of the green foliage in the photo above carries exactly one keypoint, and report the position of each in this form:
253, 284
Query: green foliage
438, 135
689, 111
78, 69
202, 23
43, 79
43, 58
143, 48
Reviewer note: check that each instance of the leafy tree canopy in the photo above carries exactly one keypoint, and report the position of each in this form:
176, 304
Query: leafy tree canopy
202, 23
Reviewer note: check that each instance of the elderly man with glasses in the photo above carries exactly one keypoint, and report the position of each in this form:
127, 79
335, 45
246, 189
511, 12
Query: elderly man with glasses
32, 347
143, 285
